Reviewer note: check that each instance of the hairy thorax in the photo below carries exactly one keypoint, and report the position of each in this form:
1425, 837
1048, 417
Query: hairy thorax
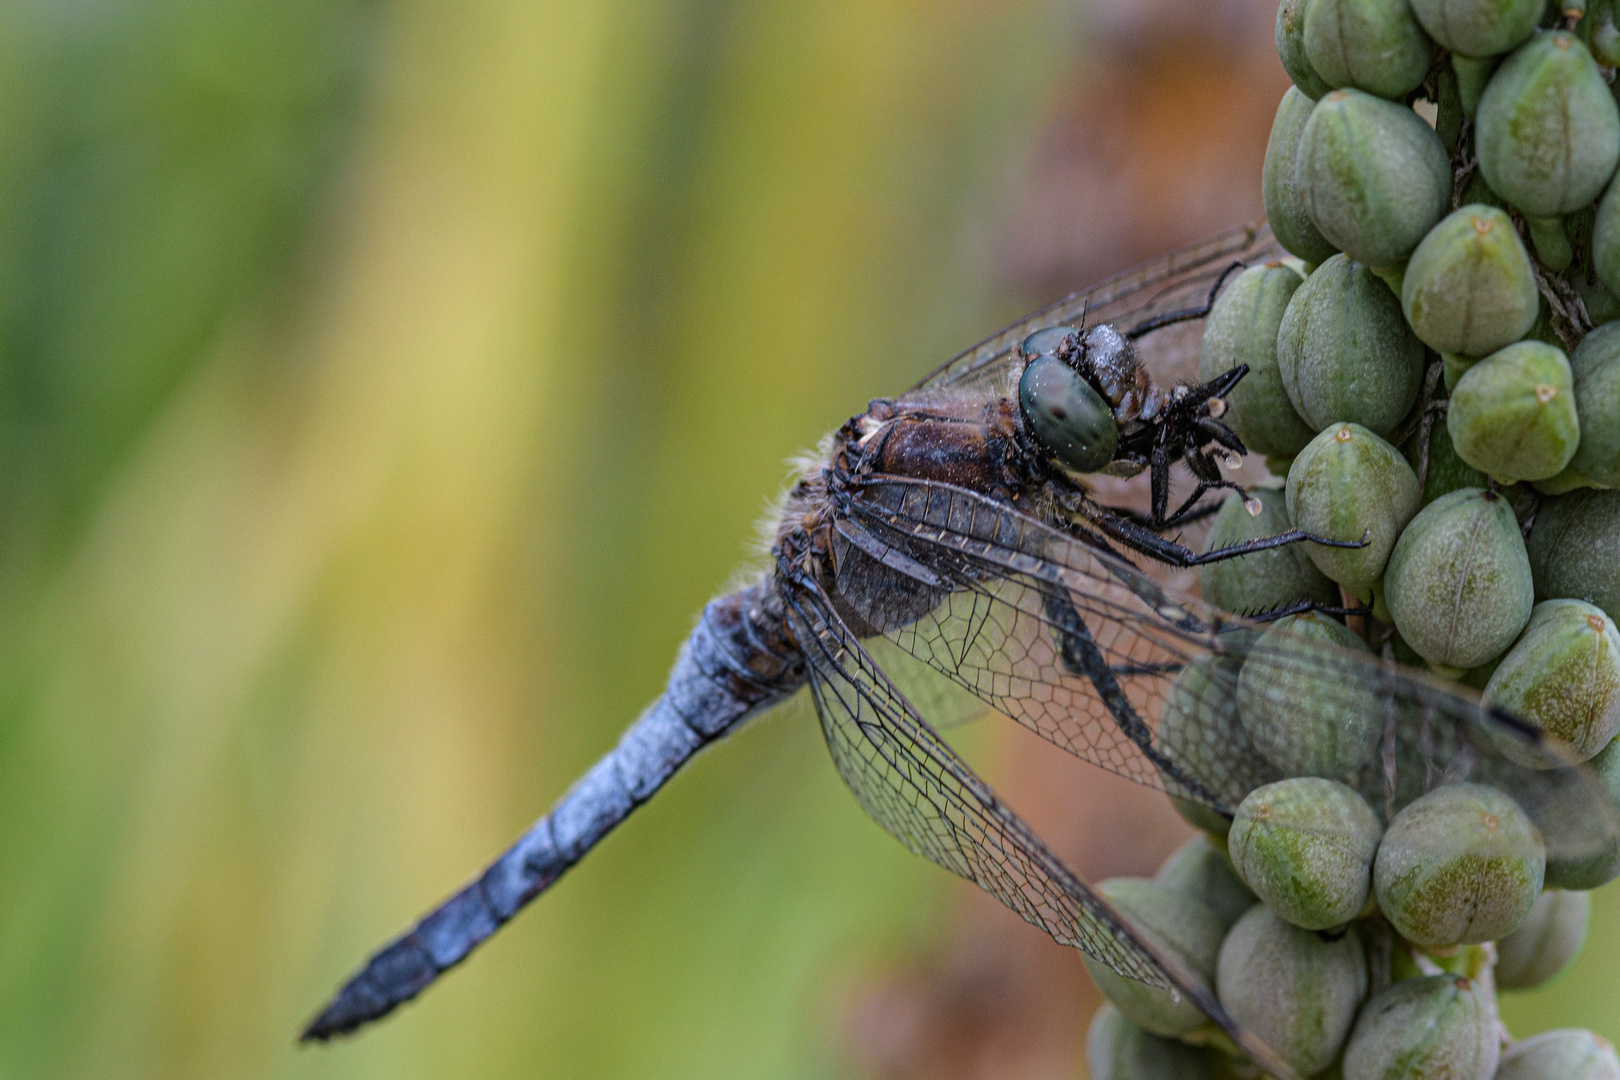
965, 443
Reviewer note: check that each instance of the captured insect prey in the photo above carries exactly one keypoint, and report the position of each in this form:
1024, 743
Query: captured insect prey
973, 521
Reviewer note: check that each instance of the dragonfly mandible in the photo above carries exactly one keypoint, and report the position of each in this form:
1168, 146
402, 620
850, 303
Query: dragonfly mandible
940, 520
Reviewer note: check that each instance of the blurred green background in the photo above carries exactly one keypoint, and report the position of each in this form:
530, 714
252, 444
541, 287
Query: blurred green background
384, 386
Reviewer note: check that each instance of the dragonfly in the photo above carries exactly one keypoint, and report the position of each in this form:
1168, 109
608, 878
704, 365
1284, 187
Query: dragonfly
965, 521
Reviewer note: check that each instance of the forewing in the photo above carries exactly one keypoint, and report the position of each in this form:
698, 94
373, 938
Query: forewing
1172, 282
1092, 654
914, 785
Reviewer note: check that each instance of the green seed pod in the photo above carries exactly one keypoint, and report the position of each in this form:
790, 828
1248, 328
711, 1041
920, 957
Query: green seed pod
1198, 815
1602, 306
1563, 676
1595, 366
1345, 352
1448, 110
1456, 366
1178, 924
1200, 732
1571, 479
1349, 483
1242, 329
1291, 50
1469, 287
1299, 715
1375, 177
1305, 846
1561, 1054
1548, 133
1606, 240
1458, 584
1574, 548
1203, 871
1442, 1027
1577, 811
1512, 414
1447, 472
1117, 1049
1601, 31
1548, 939
1586, 863
1266, 579
1294, 989
1550, 237
1461, 865
1472, 74
1479, 27
1284, 198
1372, 45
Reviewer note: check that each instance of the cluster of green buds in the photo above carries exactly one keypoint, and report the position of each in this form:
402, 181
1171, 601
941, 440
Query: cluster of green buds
1435, 370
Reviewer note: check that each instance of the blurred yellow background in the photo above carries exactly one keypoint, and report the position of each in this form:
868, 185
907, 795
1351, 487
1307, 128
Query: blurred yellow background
385, 387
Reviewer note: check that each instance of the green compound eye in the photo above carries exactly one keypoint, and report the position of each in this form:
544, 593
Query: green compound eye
1068, 417
1047, 342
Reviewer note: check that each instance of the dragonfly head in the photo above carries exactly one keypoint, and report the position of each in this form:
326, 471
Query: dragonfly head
1079, 390
1069, 419
1106, 360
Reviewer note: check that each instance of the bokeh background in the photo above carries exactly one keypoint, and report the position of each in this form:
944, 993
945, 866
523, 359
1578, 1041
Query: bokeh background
385, 384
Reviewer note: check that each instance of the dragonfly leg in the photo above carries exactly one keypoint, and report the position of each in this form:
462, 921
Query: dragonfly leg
1204, 469
1300, 607
1185, 517
1169, 668
1189, 511
1161, 483
1171, 318
1144, 540
1082, 656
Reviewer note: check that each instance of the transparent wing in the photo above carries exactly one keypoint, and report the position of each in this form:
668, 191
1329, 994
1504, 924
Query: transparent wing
1086, 650
908, 779
1179, 280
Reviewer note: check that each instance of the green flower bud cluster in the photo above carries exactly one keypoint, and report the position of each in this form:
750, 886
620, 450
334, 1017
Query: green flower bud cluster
1350, 949
1494, 225
1433, 378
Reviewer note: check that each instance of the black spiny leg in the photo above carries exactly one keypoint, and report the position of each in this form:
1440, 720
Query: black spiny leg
1300, 607
1083, 657
1170, 318
1215, 431
1161, 484
1186, 431
1187, 512
1209, 478
1147, 542
1185, 517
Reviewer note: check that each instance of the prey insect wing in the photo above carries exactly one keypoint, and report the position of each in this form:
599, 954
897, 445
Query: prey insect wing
913, 784
1177, 280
